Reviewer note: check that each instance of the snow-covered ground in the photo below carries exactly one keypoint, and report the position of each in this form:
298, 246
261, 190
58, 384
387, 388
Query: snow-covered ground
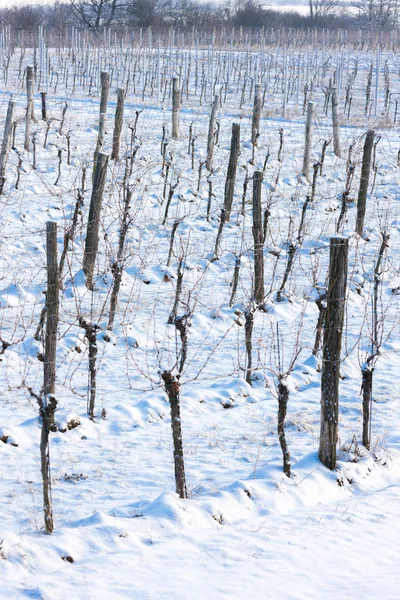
246, 529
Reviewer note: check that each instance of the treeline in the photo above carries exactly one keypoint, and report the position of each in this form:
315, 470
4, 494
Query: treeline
186, 14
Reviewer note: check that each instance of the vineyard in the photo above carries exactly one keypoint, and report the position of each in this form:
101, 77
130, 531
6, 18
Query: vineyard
199, 314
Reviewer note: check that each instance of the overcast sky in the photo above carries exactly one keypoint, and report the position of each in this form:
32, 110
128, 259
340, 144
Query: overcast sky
286, 3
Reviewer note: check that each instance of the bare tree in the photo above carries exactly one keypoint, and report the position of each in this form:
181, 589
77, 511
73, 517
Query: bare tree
320, 9
377, 14
95, 14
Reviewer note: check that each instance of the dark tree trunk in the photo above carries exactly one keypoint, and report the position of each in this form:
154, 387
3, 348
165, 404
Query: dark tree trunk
235, 281
117, 267
178, 291
44, 109
320, 302
47, 410
70, 233
248, 329
172, 389
49, 404
91, 335
367, 376
258, 236
222, 222
283, 398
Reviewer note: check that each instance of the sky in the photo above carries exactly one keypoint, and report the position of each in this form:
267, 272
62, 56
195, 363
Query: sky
300, 5
286, 3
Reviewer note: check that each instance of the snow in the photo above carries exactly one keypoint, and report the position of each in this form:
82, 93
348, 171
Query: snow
246, 529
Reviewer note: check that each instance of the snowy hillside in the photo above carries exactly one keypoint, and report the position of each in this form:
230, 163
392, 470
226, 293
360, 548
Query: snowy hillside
246, 529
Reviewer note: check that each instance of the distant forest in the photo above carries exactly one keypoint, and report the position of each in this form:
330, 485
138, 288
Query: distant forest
95, 15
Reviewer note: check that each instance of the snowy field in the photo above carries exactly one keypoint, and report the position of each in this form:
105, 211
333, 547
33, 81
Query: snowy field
245, 530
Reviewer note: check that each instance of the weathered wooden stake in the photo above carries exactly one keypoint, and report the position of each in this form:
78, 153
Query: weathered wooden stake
255, 124
232, 168
105, 88
119, 114
30, 76
211, 134
335, 123
100, 139
176, 107
308, 140
51, 309
44, 109
6, 144
334, 317
29, 108
364, 181
92, 233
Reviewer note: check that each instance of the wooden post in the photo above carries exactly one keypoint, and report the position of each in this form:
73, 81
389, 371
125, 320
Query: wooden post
364, 181
335, 122
258, 239
308, 140
119, 113
100, 139
211, 134
255, 124
51, 309
44, 110
30, 76
172, 388
105, 88
29, 108
232, 168
6, 144
92, 233
176, 106
334, 317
